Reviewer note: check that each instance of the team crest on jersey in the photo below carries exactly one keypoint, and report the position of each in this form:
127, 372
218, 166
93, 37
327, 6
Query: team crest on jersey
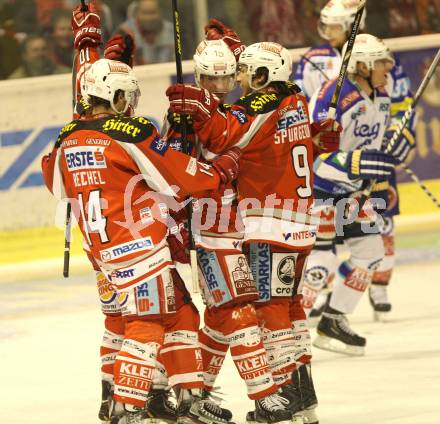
159, 146
241, 116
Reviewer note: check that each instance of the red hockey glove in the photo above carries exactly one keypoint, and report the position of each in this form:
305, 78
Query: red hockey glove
217, 30
190, 100
326, 135
120, 47
178, 241
86, 26
227, 164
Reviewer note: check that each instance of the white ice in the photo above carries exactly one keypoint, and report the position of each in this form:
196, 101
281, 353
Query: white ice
49, 356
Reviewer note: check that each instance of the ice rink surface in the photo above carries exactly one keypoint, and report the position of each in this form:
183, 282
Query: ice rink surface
51, 330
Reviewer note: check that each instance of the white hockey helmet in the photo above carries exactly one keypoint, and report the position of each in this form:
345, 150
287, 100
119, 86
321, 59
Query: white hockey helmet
368, 49
215, 59
340, 12
105, 77
272, 56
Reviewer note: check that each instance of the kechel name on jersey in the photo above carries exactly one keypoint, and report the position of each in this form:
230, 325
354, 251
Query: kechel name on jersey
87, 178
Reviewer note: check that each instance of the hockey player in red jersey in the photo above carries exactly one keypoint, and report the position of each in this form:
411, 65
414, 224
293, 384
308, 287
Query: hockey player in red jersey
270, 123
225, 277
94, 161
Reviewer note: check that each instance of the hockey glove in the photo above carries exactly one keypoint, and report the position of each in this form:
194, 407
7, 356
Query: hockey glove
86, 26
194, 101
227, 164
369, 164
217, 30
120, 47
326, 135
401, 148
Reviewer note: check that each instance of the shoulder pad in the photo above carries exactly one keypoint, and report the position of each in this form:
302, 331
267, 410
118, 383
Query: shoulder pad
175, 121
126, 129
82, 107
225, 107
257, 103
66, 131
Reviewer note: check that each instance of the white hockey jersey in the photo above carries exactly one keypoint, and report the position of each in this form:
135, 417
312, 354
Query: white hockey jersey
364, 121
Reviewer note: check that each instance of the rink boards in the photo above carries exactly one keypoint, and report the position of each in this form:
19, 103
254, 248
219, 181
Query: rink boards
33, 110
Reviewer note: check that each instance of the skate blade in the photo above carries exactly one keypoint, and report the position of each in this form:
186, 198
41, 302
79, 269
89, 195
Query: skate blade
252, 420
298, 419
310, 416
157, 421
381, 316
333, 345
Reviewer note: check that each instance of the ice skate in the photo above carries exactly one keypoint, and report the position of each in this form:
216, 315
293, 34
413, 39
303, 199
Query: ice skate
159, 408
378, 296
293, 394
335, 335
106, 401
193, 409
126, 414
271, 409
308, 394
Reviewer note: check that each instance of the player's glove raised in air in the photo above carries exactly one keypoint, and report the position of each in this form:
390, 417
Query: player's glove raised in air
86, 26
326, 135
120, 47
217, 30
227, 164
189, 100
402, 146
369, 164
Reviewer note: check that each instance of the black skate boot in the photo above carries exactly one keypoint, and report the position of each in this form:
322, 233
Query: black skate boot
207, 395
378, 296
159, 407
126, 414
292, 393
192, 409
335, 335
106, 401
271, 409
308, 394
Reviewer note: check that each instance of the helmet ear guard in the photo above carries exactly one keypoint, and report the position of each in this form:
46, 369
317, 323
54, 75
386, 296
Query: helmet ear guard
272, 56
105, 77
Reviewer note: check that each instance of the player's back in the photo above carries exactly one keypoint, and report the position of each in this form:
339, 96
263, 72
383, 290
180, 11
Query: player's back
102, 172
277, 155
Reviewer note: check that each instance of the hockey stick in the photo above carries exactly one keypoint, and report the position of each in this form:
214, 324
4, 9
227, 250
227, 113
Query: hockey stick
367, 191
315, 66
68, 221
185, 144
345, 60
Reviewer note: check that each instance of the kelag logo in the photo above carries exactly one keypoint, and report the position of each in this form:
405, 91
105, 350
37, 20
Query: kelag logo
19, 172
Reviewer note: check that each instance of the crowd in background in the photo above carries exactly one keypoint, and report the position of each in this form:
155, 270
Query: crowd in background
36, 38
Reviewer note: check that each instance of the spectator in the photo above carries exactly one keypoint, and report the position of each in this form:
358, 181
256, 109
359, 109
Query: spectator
277, 20
9, 49
152, 34
36, 59
60, 39
428, 12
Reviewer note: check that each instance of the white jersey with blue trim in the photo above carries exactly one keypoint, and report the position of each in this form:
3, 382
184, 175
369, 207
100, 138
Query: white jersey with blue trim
364, 121
318, 65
